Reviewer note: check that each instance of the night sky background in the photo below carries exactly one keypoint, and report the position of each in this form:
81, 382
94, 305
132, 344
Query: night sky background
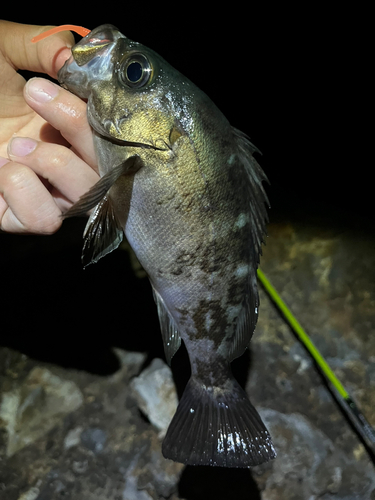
297, 82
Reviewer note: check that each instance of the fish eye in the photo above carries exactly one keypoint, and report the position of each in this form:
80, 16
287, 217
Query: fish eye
136, 71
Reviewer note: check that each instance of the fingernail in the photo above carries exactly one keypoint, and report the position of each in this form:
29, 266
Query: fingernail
41, 90
62, 56
21, 146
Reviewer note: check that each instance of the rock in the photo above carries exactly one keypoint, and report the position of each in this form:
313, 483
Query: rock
150, 476
156, 394
130, 360
73, 437
311, 460
31, 494
35, 407
94, 439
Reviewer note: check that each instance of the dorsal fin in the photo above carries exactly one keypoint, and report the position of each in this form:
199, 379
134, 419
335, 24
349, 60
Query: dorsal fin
258, 219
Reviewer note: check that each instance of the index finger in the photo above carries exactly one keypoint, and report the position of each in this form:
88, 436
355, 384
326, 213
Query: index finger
47, 56
65, 112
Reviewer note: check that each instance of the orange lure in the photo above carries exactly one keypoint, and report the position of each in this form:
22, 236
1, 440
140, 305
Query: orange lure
65, 27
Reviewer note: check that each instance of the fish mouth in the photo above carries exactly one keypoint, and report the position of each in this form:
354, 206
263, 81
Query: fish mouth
124, 143
101, 130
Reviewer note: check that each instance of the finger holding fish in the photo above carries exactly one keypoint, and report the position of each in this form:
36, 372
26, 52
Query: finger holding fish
40, 182
65, 112
44, 178
51, 160
26, 205
45, 57
18, 53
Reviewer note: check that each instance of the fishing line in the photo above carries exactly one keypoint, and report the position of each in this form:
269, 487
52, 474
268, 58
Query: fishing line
359, 421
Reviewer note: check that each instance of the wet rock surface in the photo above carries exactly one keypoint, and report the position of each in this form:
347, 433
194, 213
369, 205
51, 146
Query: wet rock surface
70, 421
156, 395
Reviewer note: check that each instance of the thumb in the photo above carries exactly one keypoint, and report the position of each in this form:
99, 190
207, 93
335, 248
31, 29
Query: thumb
46, 56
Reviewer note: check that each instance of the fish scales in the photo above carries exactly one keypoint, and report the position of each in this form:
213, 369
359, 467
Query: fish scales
183, 186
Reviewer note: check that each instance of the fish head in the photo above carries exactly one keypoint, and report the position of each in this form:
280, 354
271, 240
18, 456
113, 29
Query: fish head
128, 87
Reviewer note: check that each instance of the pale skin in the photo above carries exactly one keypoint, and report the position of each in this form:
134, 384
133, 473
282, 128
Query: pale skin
47, 159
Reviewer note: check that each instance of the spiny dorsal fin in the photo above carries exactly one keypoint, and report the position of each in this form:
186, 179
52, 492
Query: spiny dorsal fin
171, 336
258, 199
258, 215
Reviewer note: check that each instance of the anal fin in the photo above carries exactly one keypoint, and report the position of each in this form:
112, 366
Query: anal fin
170, 334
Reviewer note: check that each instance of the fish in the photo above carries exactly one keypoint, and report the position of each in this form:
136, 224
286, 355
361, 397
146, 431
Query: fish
183, 186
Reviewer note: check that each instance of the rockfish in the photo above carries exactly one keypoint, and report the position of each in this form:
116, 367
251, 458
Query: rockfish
184, 187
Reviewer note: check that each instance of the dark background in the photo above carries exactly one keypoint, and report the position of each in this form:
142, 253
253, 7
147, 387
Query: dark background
296, 81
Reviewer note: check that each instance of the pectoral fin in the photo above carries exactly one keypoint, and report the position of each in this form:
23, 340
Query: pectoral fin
103, 232
100, 189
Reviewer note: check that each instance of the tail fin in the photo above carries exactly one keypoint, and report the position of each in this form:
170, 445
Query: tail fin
217, 426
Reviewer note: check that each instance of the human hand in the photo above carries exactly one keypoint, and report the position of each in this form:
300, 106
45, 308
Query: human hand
49, 162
